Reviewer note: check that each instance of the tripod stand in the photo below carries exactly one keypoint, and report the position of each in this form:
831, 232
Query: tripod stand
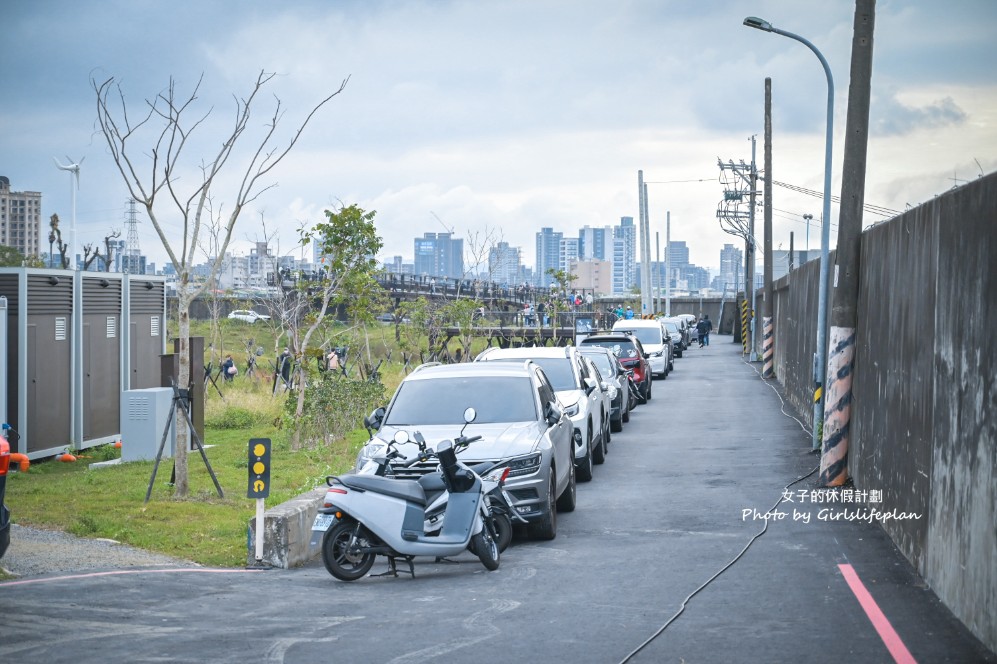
181, 398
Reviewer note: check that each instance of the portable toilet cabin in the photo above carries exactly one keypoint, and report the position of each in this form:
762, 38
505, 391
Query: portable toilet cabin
71, 340
99, 373
145, 307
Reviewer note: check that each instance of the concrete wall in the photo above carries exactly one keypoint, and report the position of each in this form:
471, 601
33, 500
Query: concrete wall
923, 426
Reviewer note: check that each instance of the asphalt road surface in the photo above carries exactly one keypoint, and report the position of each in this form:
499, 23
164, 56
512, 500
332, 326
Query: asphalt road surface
661, 517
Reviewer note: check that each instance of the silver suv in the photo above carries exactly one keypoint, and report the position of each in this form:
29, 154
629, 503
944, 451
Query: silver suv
577, 390
518, 418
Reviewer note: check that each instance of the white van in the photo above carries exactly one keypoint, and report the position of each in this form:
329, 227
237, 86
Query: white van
656, 343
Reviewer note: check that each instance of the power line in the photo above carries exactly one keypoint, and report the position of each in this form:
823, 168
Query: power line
869, 207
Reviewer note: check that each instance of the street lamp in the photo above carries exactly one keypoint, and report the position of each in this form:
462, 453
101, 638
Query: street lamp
820, 357
808, 218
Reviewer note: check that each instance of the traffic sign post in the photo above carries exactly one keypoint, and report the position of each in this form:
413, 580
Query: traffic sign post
259, 486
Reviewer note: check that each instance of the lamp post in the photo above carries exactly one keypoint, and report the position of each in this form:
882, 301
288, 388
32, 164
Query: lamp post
820, 357
807, 218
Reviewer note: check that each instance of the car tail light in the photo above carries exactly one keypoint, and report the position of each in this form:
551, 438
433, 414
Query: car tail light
4, 456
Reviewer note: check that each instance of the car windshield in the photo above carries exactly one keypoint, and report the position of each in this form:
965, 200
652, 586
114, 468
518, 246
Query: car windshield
648, 335
671, 327
601, 361
620, 348
558, 370
443, 400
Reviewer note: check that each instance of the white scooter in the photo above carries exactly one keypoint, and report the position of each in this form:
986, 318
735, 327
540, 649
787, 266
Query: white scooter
493, 476
364, 516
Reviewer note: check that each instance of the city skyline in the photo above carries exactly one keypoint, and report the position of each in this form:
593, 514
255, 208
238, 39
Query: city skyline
447, 125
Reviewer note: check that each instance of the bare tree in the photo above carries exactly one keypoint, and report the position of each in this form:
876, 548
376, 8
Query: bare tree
167, 119
109, 249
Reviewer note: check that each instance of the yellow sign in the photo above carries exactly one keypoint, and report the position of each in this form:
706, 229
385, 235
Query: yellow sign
259, 468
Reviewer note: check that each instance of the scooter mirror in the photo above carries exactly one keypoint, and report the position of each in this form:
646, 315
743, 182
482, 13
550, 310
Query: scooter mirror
401, 437
469, 415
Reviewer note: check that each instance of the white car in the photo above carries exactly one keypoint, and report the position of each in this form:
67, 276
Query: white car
247, 315
657, 344
578, 392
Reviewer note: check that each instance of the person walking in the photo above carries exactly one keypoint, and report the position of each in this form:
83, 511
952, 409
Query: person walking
704, 327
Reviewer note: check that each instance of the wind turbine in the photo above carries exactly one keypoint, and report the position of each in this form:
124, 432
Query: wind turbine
73, 168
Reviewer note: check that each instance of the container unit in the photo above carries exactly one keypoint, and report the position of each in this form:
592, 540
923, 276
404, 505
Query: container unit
40, 359
145, 303
99, 373
73, 344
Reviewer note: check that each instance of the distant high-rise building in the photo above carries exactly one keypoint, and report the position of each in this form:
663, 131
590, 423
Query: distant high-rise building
731, 267
595, 243
504, 264
548, 255
568, 251
592, 276
439, 255
21, 220
624, 255
678, 252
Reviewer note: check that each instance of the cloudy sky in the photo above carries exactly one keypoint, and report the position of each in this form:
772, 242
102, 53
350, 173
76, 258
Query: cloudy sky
500, 117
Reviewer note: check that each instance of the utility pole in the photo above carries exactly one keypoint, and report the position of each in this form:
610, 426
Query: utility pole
641, 193
647, 299
841, 360
668, 263
657, 271
768, 331
790, 252
750, 254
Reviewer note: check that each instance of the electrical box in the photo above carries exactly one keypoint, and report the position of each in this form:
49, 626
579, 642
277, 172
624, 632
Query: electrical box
144, 414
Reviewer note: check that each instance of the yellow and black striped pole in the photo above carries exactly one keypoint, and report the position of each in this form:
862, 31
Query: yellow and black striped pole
744, 326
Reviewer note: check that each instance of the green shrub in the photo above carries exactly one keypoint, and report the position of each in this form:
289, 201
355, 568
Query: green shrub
334, 406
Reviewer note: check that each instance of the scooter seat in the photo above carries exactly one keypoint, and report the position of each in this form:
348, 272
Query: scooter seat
405, 489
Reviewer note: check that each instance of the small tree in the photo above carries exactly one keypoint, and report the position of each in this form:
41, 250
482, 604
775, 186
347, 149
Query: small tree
169, 128
347, 243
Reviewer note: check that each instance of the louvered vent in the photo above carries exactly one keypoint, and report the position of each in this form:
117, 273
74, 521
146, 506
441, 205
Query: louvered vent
139, 407
112, 327
60, 329
155, 326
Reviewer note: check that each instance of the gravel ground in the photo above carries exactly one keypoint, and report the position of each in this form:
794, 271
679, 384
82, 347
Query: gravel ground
34, 552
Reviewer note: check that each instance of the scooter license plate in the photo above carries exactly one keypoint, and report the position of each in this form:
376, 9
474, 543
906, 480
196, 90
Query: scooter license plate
323, 521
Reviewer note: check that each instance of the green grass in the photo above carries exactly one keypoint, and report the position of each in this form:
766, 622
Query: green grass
109, 502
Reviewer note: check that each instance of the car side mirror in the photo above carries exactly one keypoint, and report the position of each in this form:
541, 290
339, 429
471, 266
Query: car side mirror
374, 420
590, 385
552, 414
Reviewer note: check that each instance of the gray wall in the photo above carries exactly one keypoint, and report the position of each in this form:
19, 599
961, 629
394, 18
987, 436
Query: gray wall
923, 425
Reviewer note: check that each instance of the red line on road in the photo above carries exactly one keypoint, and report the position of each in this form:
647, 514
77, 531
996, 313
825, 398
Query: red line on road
886, 632
129, 571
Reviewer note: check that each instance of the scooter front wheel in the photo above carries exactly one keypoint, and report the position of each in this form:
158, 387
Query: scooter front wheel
503, 530
341, 551
485, 546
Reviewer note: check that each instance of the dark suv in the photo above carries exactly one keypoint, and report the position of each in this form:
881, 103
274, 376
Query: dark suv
631, 354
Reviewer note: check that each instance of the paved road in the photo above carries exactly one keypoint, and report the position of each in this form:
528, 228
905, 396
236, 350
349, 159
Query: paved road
661, 517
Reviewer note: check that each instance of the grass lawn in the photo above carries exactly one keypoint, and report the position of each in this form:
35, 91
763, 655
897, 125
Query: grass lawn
109, 502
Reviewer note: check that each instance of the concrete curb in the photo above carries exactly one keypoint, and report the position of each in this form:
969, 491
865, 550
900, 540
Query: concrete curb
287, 531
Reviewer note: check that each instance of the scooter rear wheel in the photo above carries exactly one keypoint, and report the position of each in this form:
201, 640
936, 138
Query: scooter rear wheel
346, 562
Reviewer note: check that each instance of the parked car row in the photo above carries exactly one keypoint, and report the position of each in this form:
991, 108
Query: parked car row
548, 413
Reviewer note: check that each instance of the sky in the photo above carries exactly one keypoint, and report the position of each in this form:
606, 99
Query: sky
494, 119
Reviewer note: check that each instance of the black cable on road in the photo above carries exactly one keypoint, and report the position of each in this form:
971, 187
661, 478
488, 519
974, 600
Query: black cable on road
734, 559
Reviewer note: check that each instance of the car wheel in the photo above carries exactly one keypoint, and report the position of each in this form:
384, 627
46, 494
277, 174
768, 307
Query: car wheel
546, 528
626, 413
642, 393
607, 433
568, 499
584, 467
671, 365
617, 424
648, 391
599, 451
